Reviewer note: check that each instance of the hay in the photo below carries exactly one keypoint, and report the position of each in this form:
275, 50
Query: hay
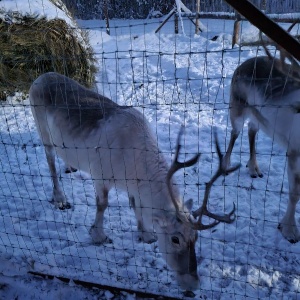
30, 46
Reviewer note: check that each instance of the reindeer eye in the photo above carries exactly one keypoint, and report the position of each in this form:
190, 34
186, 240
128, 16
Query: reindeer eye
175, 240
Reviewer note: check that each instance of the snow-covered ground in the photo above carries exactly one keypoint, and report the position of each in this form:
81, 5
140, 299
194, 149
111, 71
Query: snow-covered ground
173, 80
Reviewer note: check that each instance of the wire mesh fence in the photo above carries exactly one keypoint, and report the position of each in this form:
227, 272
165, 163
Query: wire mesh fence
172, 79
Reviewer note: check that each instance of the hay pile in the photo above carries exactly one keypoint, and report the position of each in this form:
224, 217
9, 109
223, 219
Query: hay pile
32, 45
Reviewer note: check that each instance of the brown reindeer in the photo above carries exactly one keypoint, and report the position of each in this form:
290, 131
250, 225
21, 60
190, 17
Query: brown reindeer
266, 90
116, 146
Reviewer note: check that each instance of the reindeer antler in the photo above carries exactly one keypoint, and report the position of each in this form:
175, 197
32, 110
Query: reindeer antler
294, 67
203, 211
177, 165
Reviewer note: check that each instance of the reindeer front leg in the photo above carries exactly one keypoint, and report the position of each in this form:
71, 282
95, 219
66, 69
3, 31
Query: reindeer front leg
288, 226
252, 162
144, 223
96, 231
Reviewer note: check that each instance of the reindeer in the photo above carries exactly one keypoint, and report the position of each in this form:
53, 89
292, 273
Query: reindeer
115, 145
266, 90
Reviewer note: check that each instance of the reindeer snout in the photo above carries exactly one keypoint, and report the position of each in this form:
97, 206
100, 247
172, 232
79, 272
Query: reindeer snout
188, 282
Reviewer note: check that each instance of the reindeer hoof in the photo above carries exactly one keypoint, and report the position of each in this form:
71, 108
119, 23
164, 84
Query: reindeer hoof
104, 242
98, 237
107, 240
70, 170
64, 206
254, 171
189, 294
61, 205
259, 174
292, 240
255, 175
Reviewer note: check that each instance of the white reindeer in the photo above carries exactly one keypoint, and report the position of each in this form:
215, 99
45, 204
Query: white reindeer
115, 145
266, 90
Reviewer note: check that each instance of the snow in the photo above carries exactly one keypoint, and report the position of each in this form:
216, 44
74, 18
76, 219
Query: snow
12, 10
173, 80
42, 8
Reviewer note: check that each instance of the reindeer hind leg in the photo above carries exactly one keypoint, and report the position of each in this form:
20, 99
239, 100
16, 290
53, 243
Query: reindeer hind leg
58, 197
288, 226
69, 169
237, 121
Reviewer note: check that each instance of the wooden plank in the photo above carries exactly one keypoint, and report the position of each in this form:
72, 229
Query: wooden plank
267, 26
171, 13
197, 16
114, 290
283, 18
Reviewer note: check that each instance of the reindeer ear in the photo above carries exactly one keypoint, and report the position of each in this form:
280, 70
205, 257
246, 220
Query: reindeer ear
189, 204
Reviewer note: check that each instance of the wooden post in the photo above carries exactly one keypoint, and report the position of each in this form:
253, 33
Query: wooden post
197, 17
236, 30
267, 26
263, 5
106, 16
176, 23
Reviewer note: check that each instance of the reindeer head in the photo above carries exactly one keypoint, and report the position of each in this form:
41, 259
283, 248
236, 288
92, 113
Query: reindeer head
176, 242
178, 229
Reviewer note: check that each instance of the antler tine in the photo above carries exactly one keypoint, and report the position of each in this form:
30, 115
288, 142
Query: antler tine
265, 46
177, 165
203, 211
285, 54
288, 71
